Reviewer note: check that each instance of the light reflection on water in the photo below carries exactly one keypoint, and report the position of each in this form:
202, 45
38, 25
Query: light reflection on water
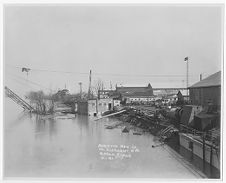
57, 147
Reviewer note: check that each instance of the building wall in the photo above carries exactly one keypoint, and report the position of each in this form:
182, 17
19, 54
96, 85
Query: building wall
104, 105
105, 93
116, 103
82, 108
97, 106
139, 99
197, 149
92, 107
201, 96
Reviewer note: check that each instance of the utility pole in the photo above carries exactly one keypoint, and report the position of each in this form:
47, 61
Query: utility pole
80, 85
110, 86
203, 150
186, 60
24, 69
90, 78
187, 77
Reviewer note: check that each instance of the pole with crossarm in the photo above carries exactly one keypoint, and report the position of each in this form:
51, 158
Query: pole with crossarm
186, 60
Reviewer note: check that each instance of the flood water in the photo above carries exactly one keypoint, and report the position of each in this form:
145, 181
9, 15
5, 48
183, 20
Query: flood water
68, 147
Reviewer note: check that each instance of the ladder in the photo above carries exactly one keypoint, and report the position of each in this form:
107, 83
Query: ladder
18, 100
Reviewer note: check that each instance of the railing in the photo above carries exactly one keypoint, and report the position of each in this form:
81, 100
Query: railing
212, 135
187, 129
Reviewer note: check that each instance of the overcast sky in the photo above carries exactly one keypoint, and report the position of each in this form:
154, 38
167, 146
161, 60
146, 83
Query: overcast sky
133, 45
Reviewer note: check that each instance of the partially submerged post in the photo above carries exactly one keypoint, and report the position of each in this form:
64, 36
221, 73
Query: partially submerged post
203, 149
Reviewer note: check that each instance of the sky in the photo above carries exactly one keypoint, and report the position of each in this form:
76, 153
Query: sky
121, 44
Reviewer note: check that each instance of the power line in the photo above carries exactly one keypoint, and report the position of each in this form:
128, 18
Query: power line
104, 74
46, 70
20, 81
31, 82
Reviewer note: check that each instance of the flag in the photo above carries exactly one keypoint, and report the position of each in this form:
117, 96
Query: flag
186, 59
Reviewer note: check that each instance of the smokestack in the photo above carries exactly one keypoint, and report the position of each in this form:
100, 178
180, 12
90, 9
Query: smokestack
80, 84
200, 77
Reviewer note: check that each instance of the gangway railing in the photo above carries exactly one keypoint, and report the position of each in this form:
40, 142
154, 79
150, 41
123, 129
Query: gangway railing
18, 100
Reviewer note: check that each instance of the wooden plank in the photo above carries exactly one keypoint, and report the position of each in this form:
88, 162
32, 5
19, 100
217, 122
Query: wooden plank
110, 115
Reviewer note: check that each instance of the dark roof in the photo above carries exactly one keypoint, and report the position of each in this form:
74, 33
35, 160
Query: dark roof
131, 89
212, 80
135, 91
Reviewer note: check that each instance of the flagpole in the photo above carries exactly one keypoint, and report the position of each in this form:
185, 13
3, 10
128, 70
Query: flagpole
187, 76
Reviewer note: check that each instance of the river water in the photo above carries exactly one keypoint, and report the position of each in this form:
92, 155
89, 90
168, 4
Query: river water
67, 146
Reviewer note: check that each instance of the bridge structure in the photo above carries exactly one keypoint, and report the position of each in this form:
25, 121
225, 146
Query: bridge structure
18, 100
169, 89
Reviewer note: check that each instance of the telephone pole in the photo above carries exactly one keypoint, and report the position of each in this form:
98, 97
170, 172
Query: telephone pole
187, 77
186, 60
80, 85
89, 90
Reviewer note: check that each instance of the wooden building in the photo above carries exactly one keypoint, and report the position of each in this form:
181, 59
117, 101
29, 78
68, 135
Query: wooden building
136, 94
95, 107
207, 91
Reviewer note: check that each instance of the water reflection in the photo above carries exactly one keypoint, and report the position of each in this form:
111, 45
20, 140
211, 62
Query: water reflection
40, 127
52, 127
44, 127
83, 123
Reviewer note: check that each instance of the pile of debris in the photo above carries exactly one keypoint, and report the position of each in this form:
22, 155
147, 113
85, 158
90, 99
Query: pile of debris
150, 122
156, 122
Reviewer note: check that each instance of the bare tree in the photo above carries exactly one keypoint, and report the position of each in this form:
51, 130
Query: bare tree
98, 85
38, 101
